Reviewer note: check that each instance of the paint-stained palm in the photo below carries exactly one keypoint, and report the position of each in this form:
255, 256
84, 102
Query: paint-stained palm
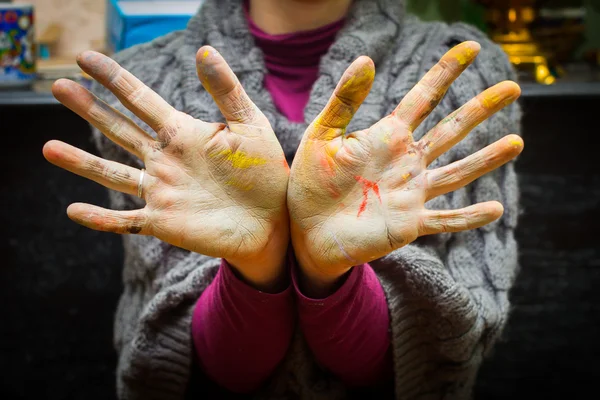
217, 189
357, 196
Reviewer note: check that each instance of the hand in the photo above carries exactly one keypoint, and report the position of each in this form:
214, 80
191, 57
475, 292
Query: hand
210, 188
355, 197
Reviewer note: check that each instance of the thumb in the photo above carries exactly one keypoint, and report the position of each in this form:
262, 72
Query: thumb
349, 94
219, 80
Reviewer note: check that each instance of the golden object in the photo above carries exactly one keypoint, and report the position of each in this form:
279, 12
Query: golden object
509, 21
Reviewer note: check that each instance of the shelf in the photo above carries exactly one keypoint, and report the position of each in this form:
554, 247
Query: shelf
38, 94
560, 89
26, 98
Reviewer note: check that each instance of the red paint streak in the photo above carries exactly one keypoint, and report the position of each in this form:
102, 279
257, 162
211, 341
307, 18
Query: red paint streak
362, 207
367, 185
376, 190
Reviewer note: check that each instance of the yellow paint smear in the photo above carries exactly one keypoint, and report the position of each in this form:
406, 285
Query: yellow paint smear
239, 159
235, 183
360, 78
332, 150
205, 54
406, 176
490, 100
387, 137
465, 55
515, 142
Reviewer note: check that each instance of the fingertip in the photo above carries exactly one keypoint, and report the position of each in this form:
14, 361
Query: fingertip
496, 209
365, 62
61, 87
516, 143
84, 58
81, 57
511, 87
357, 79
207, 55
487, 212
463, 53
75, 210
50, 150
213, 71
473, 45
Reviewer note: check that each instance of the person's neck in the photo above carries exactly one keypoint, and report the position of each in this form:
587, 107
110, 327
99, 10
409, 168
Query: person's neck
277, 17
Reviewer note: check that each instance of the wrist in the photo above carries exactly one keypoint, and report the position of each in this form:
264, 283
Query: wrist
266, 270
317, 278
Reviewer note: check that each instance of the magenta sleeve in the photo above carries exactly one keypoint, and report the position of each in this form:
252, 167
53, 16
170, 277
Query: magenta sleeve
240, 334
348, 332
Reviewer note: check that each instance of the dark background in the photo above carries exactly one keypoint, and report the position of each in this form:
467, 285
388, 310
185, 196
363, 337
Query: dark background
59, 282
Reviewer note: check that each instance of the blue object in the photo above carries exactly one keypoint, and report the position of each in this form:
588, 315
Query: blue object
17, 47
131, 22
44, 52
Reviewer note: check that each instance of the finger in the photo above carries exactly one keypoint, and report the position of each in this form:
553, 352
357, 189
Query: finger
101, 219
430, 90
225, 88
107, 173
114, 125
455, 127
475, 216
350, 92
131, 92
461, 173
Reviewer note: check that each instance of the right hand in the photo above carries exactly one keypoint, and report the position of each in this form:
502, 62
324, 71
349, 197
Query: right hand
212, 188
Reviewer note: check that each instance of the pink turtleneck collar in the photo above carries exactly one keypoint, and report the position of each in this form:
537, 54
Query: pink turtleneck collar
292, 62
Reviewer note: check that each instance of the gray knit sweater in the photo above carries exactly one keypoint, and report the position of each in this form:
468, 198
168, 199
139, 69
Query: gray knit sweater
447, 294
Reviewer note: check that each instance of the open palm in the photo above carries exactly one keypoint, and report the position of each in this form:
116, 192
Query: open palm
217, 189
355, 197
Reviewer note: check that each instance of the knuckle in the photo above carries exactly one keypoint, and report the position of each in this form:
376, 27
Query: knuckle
116, 128
137, 95
114, 75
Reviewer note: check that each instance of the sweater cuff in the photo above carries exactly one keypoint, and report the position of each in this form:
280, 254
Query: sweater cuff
356, 275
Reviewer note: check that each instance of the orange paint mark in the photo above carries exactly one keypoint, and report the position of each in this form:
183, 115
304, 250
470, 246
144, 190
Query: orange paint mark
328, 165
286, 165
367, 186
333, 190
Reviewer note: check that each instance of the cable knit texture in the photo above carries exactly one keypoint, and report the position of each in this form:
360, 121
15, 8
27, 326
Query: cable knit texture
447, 294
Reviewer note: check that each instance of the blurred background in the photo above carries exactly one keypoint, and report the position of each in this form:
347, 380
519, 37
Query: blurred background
59, 282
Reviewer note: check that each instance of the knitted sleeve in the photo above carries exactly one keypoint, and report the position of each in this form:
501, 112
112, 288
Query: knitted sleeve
448, 293
161, 282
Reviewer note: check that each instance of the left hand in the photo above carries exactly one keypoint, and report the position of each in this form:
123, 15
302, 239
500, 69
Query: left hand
355, 197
